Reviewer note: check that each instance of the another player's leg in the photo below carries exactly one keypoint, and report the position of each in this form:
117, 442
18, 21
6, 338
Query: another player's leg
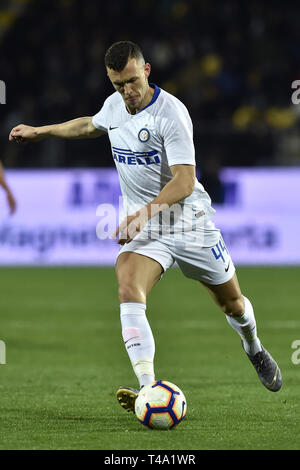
136, 275
240, 316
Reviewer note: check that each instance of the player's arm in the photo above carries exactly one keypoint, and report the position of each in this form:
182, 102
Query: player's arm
10, 197
80, 128
178, 188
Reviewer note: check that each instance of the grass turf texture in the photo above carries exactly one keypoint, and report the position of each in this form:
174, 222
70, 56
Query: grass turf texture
65, 360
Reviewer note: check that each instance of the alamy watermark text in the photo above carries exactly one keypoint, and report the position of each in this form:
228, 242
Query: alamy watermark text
2, 92
2, 352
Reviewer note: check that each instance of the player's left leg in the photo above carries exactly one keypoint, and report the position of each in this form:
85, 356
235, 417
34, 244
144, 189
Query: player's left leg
240, 316
139, 267
136, 275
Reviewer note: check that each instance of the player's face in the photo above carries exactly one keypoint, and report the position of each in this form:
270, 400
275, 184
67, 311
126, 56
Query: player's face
132, 83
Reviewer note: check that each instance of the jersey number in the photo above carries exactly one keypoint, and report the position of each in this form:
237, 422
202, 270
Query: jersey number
219, 249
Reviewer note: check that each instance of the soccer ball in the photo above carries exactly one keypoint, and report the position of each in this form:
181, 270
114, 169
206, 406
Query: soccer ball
160, 405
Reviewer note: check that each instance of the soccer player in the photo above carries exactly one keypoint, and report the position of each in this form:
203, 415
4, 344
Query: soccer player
9, 195
167, 211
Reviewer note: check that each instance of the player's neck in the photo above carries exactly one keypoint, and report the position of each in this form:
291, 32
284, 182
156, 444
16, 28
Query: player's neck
147, 98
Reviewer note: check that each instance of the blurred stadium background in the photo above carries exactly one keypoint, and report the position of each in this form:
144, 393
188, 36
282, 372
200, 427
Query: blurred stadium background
233, 64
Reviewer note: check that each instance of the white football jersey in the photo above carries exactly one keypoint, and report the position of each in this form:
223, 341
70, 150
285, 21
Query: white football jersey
145, 146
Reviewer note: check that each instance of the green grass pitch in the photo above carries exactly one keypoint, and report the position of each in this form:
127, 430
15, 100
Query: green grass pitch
65, 359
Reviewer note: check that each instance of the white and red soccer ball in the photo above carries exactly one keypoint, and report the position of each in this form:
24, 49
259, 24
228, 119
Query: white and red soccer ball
160, 405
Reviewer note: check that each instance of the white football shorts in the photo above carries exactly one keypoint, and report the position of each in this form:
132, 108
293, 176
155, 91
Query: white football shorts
211, 265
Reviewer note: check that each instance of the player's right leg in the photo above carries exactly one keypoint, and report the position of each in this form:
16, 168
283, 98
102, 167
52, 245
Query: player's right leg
213, 267
136, 275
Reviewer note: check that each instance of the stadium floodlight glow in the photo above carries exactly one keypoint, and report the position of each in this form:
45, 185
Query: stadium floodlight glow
2, 92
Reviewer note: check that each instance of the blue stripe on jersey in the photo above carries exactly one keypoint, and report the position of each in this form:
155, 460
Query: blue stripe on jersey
125, 151
131, 152
156, 93
147, 154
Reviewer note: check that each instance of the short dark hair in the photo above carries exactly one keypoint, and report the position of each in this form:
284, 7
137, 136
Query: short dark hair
119, 53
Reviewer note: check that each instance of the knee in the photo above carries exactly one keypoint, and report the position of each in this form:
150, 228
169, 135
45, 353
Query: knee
233, 306
128, 292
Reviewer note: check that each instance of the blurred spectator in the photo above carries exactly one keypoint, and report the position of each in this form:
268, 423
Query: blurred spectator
9, 195
211, 180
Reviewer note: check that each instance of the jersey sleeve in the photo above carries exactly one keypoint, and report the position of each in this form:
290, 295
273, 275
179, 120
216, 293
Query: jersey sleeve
100, 120
178, 139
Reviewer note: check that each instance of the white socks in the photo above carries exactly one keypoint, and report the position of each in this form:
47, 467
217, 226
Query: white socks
245, 326
138, 340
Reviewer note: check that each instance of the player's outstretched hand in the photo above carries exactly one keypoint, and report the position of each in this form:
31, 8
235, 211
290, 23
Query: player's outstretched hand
22, 134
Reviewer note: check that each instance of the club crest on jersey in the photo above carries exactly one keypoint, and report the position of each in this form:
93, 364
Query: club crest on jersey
144, 135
